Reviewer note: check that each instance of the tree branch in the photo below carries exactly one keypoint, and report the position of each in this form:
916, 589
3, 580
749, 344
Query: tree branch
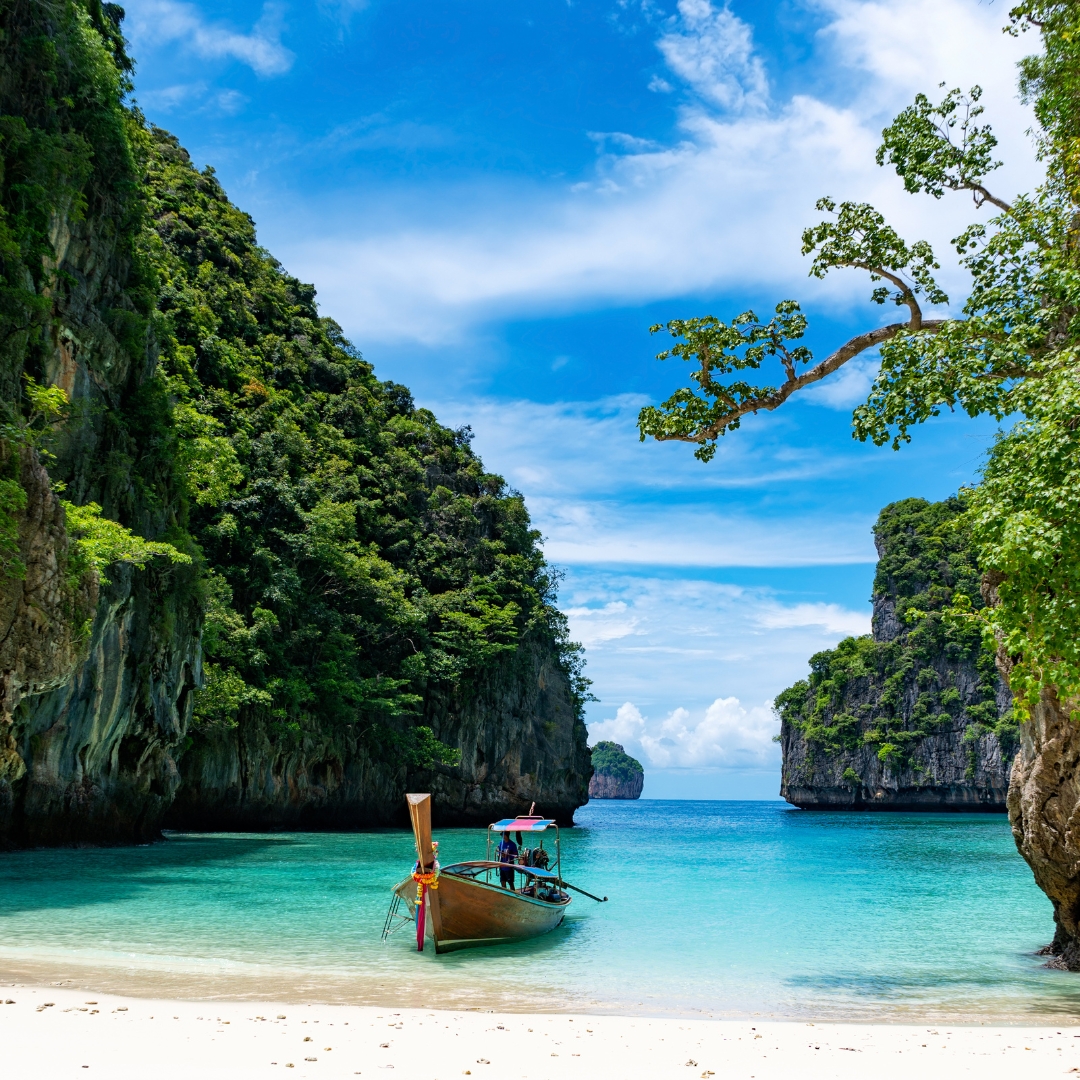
984, 196
858, 344
905, 290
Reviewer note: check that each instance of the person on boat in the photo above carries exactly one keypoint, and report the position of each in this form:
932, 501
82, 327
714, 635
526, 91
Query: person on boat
507, 852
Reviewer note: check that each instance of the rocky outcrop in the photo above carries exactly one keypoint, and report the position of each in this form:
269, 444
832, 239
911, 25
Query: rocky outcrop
616, 775
98, 749
517, 732
914, 717
602, 786
39, 611
944, 771
94, 686
1044, 812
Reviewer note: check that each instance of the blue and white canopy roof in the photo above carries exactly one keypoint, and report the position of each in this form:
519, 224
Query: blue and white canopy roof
522, 824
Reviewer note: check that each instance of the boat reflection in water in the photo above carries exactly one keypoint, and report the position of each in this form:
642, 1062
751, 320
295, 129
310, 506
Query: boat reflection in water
465, 904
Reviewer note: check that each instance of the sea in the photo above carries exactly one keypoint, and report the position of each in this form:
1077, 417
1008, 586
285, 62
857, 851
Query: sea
715, 909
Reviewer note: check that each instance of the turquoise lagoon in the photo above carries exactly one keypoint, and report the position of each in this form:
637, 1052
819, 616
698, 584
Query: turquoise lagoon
717, 909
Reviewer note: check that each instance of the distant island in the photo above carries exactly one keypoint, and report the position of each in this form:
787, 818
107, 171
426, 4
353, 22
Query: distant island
616, 775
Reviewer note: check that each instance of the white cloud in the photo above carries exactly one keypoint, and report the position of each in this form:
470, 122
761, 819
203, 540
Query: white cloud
713, 51
726, 735
723, 207
595, 532
848, 387
599, 495
196, 96
568, 448
158, 22
607, 623
625, 727
831, 617
667, 639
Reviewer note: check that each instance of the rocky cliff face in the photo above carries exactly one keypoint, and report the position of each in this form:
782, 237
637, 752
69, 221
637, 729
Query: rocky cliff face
914, 717
602, 786
518, 734
364, 599
1044, 808
95, 676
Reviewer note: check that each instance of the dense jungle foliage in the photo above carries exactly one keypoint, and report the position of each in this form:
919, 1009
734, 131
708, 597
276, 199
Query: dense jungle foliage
610, 759
906, 688
1010, 349
351, 554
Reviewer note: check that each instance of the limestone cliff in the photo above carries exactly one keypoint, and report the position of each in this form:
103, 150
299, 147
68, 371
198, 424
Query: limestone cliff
616, 775
363, 607
518, 735
95, 677
915, 716
1044, 806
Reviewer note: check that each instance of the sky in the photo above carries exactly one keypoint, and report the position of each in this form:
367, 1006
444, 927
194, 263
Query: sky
496, 201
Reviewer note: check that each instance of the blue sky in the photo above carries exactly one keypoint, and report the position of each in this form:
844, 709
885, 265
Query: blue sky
496, 201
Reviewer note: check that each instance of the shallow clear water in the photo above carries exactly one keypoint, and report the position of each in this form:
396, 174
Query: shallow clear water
717, 908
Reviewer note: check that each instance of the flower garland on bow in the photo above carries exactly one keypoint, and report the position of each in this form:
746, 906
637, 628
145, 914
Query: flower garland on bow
427, 879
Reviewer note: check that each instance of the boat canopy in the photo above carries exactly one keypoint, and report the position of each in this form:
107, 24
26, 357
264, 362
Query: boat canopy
522, 824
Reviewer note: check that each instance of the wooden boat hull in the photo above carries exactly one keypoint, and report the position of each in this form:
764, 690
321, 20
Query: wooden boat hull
473, 913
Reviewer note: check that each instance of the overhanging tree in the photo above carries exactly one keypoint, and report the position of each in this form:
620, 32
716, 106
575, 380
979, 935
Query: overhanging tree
1012, 351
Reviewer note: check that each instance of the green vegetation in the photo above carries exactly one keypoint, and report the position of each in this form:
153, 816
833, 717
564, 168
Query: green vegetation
101, 543
69, 167
905, 689
352, 557
358, 555
611, 759
1013, 348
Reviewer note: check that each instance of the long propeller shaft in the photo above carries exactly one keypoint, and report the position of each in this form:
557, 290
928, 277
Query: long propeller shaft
598, 899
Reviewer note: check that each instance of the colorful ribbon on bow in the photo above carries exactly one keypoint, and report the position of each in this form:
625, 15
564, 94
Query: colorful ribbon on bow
425, 879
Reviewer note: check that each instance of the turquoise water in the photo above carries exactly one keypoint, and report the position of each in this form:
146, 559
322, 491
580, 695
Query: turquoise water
717, 908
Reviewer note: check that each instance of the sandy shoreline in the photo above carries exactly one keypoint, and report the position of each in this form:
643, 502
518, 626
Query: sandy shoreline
56, 1032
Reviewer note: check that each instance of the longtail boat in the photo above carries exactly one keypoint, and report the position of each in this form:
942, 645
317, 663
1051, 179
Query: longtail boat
484, 902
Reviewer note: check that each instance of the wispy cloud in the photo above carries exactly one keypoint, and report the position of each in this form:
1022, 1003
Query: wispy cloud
830, 617
664, 640
568, 448
196, 96
600, 496
158, 22
722, 206
848, 386
594, 533
713, 51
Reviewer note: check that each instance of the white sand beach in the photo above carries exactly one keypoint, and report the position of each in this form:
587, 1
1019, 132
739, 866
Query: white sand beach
52, 1032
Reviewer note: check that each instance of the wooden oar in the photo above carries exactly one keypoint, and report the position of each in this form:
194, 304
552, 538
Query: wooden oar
598, 899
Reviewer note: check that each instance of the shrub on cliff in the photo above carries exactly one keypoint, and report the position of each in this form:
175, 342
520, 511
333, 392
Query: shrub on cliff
610, 759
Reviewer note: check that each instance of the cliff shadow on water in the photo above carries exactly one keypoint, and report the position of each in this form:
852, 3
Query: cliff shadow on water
244, 583
914, 716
